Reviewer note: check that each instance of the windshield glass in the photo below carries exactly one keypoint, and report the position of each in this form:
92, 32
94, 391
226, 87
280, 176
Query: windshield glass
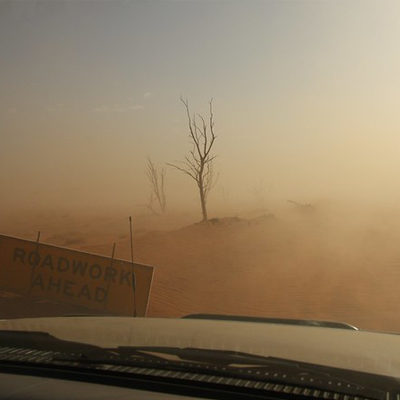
167, 158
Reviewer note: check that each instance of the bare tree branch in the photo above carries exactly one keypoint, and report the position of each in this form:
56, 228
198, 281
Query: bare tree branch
183, 170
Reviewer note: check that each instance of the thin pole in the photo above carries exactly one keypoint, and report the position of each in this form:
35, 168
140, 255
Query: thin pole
109, 280
113, 252
133, 270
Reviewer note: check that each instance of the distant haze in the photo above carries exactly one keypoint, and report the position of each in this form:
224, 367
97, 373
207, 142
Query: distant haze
306, 101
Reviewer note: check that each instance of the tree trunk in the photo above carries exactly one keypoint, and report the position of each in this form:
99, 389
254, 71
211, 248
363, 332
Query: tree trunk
203, 203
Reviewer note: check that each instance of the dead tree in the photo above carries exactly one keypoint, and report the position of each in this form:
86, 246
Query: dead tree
156, 177
303, 207
199, 162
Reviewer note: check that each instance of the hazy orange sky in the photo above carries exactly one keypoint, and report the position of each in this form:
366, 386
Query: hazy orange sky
306, 99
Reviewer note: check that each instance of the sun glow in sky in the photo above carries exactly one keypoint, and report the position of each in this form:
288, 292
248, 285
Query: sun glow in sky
306, 99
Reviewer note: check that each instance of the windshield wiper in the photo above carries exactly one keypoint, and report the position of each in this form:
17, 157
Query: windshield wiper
83, 351
207, 356
186, 360
202, 357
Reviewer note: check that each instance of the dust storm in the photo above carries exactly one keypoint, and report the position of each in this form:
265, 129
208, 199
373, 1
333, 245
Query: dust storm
304, 205
325, 261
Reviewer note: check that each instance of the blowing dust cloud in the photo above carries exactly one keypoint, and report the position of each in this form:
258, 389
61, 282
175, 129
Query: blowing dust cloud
302, 197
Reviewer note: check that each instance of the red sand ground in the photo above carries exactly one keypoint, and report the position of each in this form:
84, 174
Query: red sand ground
305, 266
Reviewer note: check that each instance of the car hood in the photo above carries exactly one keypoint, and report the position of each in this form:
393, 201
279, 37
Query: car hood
371, 352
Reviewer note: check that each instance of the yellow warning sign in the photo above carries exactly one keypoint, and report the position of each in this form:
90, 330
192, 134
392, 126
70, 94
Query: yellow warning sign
68, 276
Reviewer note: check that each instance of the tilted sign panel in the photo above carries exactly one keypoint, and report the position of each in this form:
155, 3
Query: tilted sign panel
73, 277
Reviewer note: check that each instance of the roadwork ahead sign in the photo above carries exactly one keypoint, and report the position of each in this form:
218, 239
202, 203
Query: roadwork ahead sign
67, 276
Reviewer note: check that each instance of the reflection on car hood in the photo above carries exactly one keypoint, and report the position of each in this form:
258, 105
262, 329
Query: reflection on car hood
372, 352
